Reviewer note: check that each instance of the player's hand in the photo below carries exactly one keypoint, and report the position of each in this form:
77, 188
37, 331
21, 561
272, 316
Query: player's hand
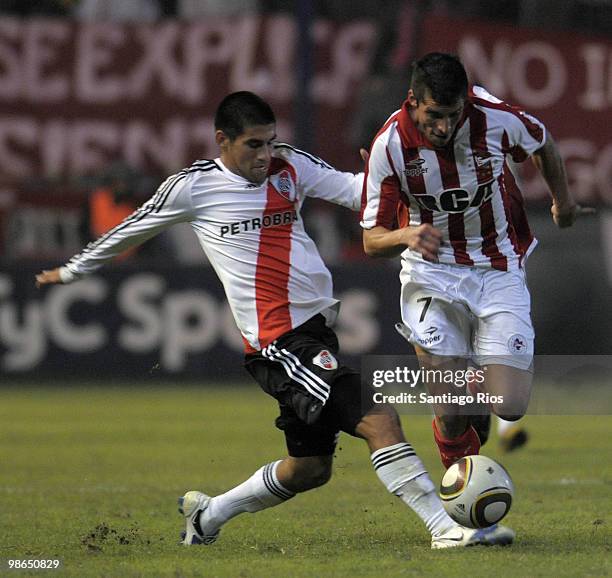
566, 215
48, 277
424, 239
365, 155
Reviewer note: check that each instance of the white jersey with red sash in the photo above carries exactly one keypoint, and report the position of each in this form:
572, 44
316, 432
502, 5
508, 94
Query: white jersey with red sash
253, 235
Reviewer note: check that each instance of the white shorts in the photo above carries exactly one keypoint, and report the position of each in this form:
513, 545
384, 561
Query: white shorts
459, 311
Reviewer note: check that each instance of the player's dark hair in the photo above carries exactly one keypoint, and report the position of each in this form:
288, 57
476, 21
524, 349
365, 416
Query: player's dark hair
239, 110
444, 76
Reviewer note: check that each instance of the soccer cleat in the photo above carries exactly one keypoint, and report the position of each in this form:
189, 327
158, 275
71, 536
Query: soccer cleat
460, 537
191, 505
513, 439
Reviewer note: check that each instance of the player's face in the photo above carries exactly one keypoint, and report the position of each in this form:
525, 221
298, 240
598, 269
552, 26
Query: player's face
435, 122
250, 153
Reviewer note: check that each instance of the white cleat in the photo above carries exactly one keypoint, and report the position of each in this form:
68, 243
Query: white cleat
462, 537
191, 505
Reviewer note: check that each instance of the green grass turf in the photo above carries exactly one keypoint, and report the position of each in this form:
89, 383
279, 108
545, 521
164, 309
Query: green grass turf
91, 476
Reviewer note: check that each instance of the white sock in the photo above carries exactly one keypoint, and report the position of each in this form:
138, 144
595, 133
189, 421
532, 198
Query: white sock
262, 490
503, 425
403, 474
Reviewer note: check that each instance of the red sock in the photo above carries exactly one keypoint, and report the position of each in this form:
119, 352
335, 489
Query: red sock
451, 450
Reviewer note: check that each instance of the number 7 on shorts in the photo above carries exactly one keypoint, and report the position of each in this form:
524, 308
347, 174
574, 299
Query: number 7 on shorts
428, 301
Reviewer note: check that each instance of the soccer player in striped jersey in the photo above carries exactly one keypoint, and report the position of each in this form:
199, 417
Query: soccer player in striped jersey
245, 209
439, 191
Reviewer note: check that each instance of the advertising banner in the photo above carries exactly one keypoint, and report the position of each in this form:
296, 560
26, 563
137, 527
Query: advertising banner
155, 323
563, 79
74, 97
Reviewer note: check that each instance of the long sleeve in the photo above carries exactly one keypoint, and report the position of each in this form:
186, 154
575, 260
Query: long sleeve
319, 180
170, 204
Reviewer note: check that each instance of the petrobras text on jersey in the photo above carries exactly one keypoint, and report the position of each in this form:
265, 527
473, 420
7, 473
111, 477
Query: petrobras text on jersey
273, 220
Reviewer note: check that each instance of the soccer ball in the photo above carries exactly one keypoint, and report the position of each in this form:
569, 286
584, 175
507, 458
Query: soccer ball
476, 491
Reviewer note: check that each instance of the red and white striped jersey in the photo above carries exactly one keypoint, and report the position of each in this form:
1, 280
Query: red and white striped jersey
253, 235
466, 190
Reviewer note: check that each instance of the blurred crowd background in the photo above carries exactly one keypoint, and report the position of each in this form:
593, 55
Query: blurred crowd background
101, 99
586, 15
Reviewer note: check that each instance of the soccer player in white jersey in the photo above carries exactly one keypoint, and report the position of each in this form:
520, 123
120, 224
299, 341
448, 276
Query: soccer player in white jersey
439, 191
245, 209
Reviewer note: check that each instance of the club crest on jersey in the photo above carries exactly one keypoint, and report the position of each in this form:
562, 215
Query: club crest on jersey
284, 185
325, 360
483, 165
415, 168
517, 344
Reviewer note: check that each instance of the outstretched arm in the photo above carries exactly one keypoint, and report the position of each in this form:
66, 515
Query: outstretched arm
548, 161
170, 204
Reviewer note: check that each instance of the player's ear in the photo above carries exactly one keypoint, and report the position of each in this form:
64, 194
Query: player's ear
412, 99
221, 139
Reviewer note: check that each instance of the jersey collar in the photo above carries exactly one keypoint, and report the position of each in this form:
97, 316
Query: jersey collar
236, 177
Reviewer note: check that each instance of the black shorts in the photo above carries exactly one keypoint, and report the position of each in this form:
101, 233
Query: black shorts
317, 395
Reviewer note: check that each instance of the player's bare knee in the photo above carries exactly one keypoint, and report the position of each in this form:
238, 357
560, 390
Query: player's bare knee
380, 427
314, 478
308, 473
512, 410
388, 416
320, 477
509, 417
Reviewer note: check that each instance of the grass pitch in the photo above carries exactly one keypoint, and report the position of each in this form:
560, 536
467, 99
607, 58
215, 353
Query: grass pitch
91, 476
